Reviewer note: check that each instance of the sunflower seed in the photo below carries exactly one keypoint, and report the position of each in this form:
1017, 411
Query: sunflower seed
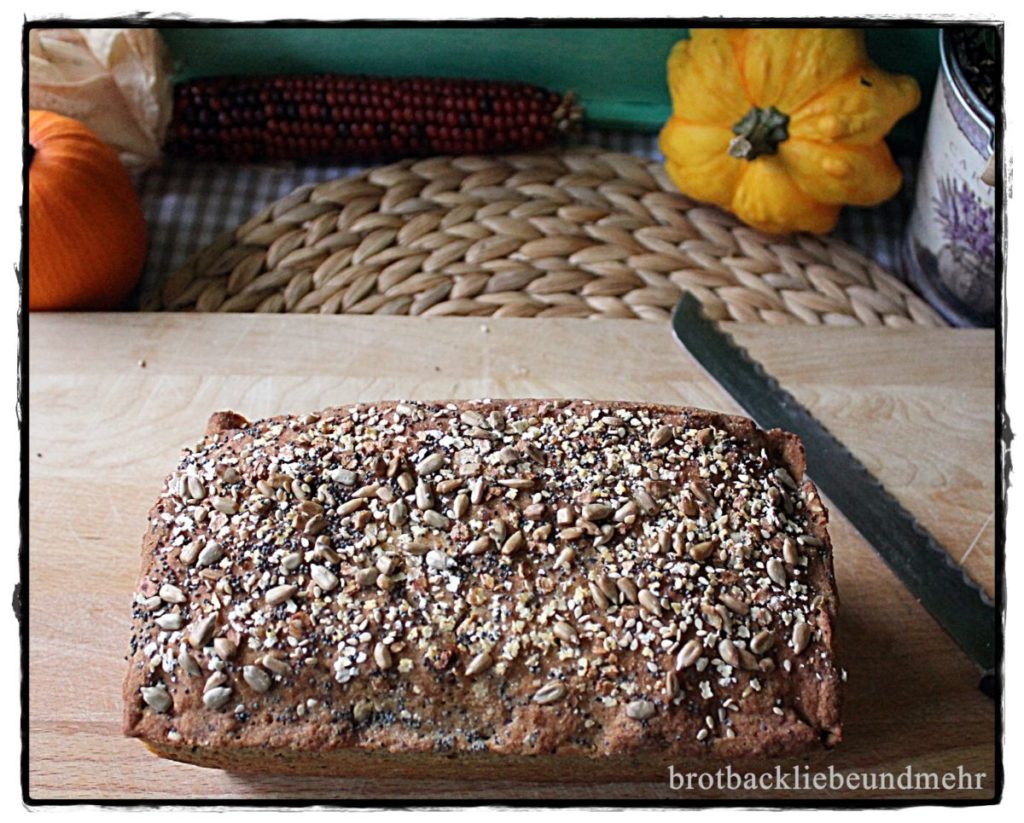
215, 698
646, 503
640, 710
513, 544
478, 433
157, 698
649, 601
276, 665
201, 631
188, 663
342, 476
290, 562
435, 519
517, 483
549, 693
747, 660
564, 631
478, 491
473, 418
664, 541
367, 577
196, 489
572, 533
712, 615
565, 516
225, 505
599, 596
786, 478
225, 648
214, 680
382, 656
189, 552
351, 506
258, 680
801, 637
323, 577
727, 651
447, 486
565, 557
439, 560
608, 587
789, 551
366, 492
626, 513
596, 511
497, 420
479, 664
689, 654
478, 546
628, 589
542, 532
406, 482
734, 604
762, 641
424, 496
809, 540
170, 622
172, 594
662, 436
212, 553
398, 513
430, 464
701, 551
281, 594
776, 571
705, 436
701, 493
316, 524
460, 508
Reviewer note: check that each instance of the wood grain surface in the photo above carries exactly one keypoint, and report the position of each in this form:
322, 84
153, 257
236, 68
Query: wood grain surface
113, 398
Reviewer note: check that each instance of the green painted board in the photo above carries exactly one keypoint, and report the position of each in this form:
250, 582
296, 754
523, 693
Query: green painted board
618, 73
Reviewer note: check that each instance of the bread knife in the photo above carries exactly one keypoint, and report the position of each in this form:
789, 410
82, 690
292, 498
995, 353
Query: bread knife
955, 601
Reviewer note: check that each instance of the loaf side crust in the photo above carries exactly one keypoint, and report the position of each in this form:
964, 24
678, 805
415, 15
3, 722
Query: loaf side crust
394, 645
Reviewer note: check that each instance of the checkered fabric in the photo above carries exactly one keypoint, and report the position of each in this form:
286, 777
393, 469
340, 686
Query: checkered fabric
187, 204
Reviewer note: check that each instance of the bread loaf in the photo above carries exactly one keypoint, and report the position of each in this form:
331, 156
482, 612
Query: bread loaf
496, 588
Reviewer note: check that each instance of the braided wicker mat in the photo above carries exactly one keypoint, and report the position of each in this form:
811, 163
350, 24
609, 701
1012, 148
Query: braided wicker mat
575, 233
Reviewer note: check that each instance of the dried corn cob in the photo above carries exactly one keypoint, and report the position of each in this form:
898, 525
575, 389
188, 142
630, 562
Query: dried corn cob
353, 118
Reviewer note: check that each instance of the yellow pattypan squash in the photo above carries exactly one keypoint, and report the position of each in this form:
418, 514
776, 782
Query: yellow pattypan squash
783, 127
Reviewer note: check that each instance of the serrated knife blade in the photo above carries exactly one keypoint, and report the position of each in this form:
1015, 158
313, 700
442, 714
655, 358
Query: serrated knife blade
955, 601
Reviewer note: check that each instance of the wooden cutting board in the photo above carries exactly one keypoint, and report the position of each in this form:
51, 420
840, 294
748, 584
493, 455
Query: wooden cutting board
113, 398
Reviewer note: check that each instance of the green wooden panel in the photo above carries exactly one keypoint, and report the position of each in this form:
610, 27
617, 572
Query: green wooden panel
618, 73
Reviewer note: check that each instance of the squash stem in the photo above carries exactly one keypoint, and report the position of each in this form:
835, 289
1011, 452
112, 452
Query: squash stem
759, 133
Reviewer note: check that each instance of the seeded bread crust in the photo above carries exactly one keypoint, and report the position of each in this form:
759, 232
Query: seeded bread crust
644, 585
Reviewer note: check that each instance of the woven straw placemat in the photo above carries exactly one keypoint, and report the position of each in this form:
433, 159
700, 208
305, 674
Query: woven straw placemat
575, 233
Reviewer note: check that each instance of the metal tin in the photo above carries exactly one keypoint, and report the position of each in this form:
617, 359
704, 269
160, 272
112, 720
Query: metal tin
949, 246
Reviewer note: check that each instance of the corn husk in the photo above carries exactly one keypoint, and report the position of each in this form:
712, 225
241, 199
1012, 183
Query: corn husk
115, 81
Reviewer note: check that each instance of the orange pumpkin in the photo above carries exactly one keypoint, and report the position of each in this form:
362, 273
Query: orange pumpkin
86, 231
